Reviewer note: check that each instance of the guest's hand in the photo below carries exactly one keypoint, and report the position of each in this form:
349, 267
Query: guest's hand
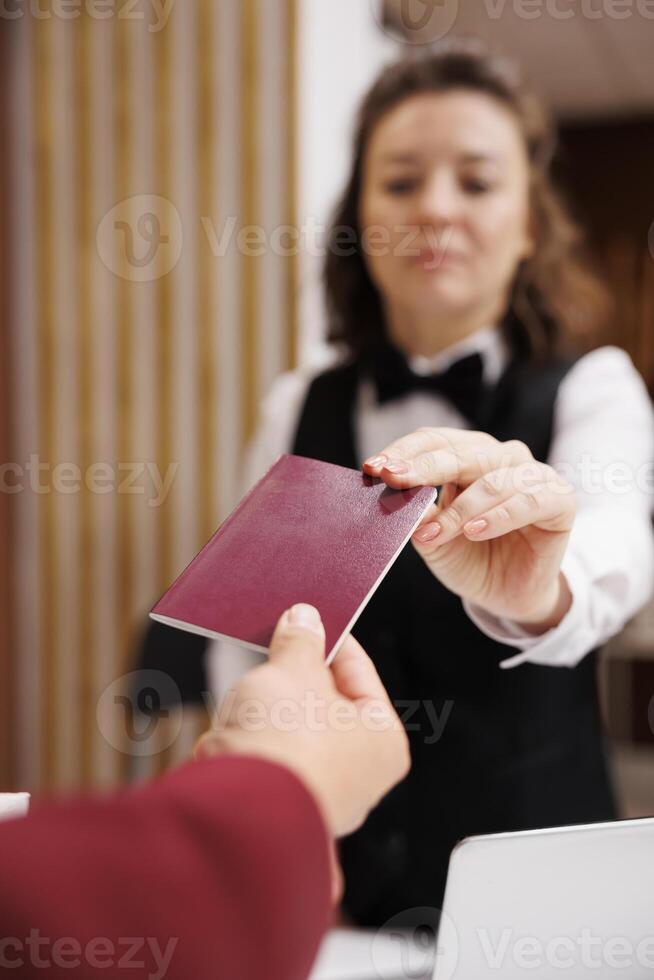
333, 726
499, 530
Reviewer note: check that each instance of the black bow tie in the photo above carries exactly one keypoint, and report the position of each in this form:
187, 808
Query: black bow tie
461, 384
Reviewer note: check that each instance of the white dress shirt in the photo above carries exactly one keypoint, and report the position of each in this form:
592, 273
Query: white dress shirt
603, 443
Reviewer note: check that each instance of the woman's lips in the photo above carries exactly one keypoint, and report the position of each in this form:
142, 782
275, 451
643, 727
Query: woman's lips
436, 258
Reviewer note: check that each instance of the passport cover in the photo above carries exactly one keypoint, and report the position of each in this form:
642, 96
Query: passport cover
308, 531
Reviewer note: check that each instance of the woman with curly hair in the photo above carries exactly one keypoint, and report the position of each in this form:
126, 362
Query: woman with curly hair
461, 314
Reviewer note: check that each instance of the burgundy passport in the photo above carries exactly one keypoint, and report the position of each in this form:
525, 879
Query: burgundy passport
307, 532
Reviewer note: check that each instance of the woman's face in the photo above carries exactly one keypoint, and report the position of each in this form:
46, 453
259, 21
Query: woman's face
444, 208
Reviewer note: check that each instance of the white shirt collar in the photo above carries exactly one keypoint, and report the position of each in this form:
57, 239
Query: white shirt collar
488, 341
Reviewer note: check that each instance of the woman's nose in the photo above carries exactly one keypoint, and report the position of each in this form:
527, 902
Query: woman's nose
439, 202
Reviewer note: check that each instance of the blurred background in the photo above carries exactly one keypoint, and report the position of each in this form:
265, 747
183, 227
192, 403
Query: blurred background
168, 170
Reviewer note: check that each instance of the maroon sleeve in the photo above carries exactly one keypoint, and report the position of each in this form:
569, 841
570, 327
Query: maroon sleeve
219, 869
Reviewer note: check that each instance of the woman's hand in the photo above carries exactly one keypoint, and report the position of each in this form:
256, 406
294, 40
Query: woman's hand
499, 530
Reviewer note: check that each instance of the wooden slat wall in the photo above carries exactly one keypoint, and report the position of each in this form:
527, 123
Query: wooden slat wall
124, 364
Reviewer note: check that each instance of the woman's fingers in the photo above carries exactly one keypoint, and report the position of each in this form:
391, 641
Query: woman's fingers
426, 439
459, 463
541, 506
446, 494
504, 500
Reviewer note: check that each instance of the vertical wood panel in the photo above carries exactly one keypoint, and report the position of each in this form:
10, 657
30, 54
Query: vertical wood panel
227, 266
183, 280
292, 183
84, 255
207, 123
123, 137
47, 352
105, 644
7, 688
124, 123
144, 333
26, 558
64, 475
162, 96
249, 209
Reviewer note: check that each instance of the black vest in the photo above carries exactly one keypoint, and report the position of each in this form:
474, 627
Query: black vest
493, 750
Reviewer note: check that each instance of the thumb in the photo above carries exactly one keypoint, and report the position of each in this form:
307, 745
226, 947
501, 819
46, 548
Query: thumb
299, 638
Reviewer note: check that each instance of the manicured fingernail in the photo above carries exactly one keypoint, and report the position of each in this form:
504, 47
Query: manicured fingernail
397, 467
375, 461
476, 527
304, 615
427, 533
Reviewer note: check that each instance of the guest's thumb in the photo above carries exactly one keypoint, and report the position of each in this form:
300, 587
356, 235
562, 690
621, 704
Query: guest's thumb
299, 637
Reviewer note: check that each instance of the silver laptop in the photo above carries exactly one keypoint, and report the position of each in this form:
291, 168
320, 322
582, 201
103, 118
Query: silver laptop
572, 902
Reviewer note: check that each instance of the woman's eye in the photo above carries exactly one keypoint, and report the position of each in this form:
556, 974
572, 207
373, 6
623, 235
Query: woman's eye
402, 185
476, 185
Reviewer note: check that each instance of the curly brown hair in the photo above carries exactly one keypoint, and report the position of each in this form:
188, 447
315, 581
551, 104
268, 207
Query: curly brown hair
557, 302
